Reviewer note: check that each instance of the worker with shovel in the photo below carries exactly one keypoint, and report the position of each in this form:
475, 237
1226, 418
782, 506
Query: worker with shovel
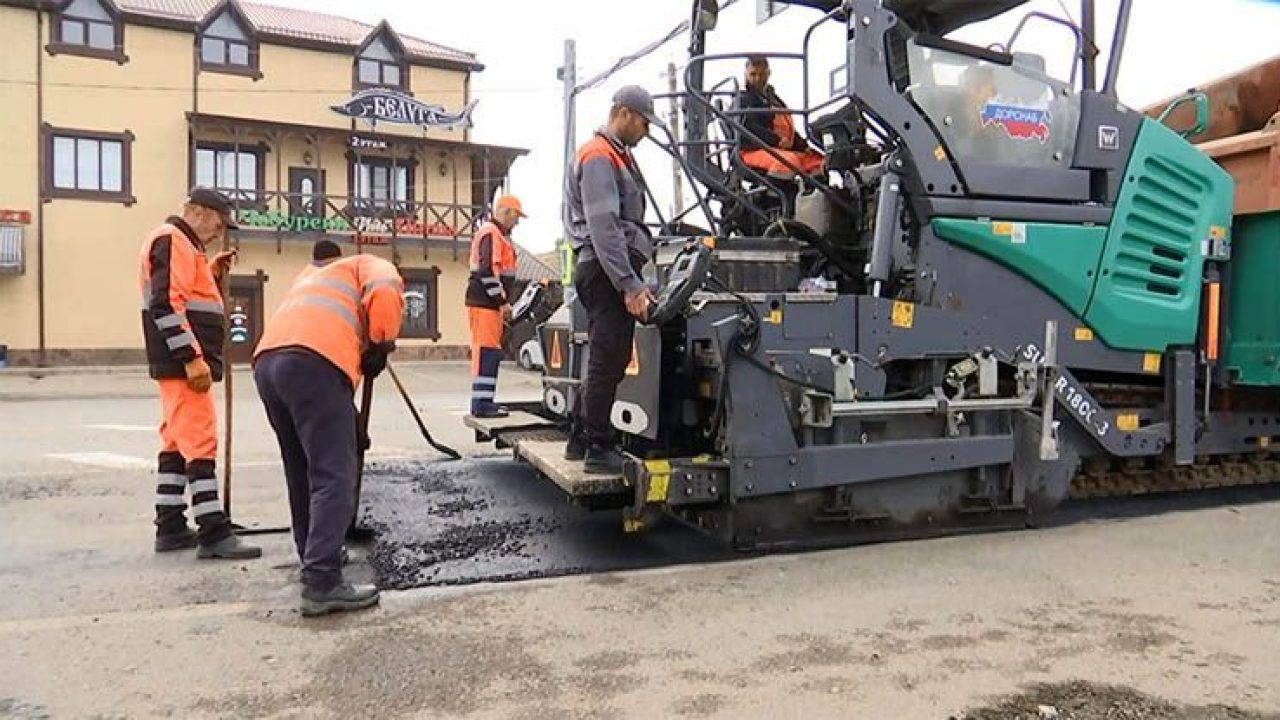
336, 325
489, 293
182, 324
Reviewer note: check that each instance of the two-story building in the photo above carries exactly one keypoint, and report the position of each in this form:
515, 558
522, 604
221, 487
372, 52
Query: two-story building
317, 126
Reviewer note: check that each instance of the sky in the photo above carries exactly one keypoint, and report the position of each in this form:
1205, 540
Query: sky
1172, 45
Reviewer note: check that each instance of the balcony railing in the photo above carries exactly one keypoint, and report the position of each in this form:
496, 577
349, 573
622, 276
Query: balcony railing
374, 220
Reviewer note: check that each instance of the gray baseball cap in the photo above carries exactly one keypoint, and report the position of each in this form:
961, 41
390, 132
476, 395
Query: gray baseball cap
636, 99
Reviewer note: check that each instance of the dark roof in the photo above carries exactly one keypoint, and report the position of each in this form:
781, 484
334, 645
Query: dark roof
287, 26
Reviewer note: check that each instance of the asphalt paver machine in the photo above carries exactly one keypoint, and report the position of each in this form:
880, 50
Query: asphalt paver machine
1010, 289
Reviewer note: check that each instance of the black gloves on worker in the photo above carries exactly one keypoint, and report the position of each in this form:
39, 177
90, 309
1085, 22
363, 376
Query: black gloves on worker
374, 360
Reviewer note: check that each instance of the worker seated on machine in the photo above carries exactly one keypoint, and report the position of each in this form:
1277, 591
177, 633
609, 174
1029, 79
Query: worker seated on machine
776, 129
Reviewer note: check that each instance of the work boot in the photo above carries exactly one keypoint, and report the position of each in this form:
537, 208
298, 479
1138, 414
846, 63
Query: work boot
490, 410
603, 460
229, 548
181, 538
342, 597
575, 448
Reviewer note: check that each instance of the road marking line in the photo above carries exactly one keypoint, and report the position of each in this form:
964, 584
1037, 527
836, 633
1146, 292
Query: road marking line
124, 428
103, 459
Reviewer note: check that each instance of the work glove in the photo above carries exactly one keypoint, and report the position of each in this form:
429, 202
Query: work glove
374, 360
199, 376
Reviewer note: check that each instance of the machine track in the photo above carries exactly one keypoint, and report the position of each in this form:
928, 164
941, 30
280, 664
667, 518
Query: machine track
1144, 476
1106, 477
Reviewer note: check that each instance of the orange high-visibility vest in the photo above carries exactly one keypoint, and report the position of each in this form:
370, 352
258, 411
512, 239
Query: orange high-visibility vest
492, 280
337, 310
181, 305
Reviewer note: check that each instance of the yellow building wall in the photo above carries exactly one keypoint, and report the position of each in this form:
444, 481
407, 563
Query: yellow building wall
92, 248
19, 189
91, 274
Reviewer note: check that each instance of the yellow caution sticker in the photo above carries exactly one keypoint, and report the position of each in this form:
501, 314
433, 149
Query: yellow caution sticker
1084, 334
1151, 363
659, 477
774, 317
1128, 422
704, 389
1217, 232
939, 153
1001, 228
904, 314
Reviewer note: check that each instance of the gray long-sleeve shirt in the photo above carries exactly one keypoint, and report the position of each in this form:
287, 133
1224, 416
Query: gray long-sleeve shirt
604, 210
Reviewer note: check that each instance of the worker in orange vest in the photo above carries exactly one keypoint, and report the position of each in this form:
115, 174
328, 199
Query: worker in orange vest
776, 129
336, 325
182, 325
490, 288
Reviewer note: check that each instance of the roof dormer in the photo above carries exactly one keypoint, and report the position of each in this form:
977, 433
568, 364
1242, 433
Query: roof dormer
381, 61
228, 41
92, 28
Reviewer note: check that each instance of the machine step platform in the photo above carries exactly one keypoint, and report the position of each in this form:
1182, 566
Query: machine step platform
540, 442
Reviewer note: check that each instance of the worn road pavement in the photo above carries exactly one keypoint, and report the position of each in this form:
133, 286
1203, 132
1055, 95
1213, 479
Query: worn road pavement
1176, 600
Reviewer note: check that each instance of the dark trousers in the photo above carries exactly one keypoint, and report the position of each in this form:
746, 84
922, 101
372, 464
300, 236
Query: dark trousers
610, 330
309, 404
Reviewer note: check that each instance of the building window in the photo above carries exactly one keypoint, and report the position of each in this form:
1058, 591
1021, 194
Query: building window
87, 165
380, 64
421, 306
90, 28
380, 186
236, 172
227, 45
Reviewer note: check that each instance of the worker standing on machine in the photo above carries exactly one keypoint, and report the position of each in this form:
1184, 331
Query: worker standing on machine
183, 327
338, 323
776, 129
604, 219
488, 299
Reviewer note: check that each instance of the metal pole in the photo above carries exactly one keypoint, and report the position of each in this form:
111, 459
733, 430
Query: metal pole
1089, 50
677, 174
569, 76
42, 351
1117, 48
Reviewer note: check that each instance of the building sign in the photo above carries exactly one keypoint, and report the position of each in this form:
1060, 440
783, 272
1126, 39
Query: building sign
358, 142
372, 230
381, 105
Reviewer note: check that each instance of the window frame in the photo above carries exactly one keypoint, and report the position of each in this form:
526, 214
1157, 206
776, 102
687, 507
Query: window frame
258, 150
251, 41
382, 32
50, 191
391, 207
59, 46
430, 276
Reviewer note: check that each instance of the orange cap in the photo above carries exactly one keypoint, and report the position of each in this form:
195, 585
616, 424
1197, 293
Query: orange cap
512, 202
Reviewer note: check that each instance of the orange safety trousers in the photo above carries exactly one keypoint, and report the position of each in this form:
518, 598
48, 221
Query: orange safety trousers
809, 161
190, 423
486, 332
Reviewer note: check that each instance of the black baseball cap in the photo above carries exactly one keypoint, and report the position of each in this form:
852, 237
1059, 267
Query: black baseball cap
216, 201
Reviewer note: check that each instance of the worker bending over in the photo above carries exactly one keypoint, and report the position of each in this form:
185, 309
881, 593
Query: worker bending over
337, 324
